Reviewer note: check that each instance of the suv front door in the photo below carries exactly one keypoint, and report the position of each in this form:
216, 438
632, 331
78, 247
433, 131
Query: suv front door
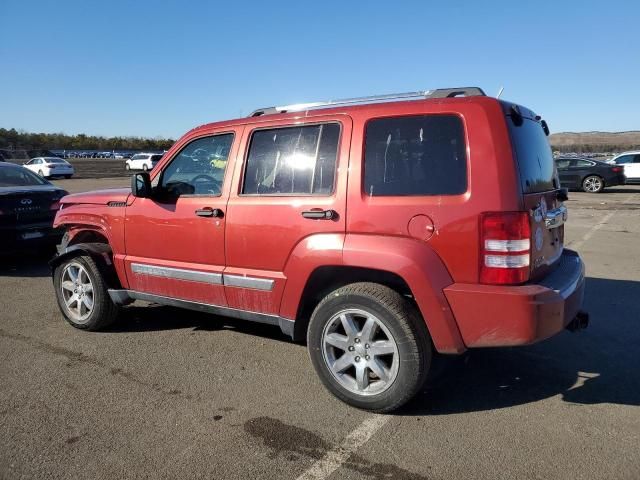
175, 239
290, 192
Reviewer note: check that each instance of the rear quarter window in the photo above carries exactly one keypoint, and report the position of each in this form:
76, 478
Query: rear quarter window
533, 155
417, 155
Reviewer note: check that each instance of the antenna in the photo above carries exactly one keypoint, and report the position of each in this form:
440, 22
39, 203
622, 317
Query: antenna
500, 92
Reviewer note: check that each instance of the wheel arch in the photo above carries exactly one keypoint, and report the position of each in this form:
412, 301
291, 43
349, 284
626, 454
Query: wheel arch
101, 254
327, 278
409, 266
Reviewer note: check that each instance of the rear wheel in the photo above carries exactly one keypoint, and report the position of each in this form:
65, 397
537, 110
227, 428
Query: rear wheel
144, 167
369, 346
593, 184
82, 294
41, 173
127, 167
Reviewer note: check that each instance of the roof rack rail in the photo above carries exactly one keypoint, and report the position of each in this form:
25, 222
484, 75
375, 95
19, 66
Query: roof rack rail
437, 93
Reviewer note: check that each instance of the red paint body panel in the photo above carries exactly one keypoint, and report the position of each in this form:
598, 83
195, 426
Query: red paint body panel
310, 254
496, 316
423, 271
266, 229
98, 197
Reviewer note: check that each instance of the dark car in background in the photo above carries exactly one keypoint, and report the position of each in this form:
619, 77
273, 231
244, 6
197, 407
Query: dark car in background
28, 205
589, 175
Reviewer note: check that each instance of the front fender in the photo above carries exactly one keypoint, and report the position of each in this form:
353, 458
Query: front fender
423, 270
100, 253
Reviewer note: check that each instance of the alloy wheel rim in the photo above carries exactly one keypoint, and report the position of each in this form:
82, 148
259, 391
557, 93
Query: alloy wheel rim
77, 292
360, 352
593, 184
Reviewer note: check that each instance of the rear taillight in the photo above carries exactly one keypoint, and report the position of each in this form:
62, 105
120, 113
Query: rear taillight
505, 243
616, 169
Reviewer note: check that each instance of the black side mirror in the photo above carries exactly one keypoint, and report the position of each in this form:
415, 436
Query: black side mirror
141, 185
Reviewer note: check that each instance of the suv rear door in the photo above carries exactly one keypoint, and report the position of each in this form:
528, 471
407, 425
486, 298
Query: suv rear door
290, 188
540, 188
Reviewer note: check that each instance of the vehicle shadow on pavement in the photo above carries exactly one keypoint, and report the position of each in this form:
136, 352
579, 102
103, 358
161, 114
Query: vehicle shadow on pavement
597, 365
152, 317
26, 264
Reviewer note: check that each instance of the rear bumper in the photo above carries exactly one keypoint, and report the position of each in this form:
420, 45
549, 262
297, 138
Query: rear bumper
492, 316
17, 237
615, 180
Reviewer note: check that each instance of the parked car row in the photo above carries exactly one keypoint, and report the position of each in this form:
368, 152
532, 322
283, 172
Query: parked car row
594, 176
48, 167
143, 161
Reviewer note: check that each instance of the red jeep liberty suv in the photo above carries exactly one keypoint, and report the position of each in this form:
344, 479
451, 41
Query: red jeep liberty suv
384, 230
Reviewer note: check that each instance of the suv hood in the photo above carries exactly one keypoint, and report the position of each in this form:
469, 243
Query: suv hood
98, 197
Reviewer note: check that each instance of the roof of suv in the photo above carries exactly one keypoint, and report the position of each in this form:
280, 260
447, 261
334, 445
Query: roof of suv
327, 108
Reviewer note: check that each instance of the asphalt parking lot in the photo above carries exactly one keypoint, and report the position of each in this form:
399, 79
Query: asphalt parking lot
167, 393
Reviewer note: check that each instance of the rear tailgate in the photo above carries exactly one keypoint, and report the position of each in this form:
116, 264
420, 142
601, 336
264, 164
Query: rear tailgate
540, 188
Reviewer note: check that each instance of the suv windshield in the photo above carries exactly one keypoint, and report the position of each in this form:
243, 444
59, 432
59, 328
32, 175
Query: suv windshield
16, 176
533, 153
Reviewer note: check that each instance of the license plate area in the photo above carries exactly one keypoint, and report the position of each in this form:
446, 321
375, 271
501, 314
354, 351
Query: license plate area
32, 235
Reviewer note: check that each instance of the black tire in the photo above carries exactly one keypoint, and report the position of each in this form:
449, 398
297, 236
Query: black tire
41, 173
104, 310
593, 184
67, 177
400, 318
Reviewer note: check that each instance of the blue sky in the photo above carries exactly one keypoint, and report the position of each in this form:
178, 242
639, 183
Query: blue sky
154, 68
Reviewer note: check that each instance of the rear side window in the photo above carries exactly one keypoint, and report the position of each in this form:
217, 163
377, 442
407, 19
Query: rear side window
292, 161
533, 153
625, 159
419, 155
582, 163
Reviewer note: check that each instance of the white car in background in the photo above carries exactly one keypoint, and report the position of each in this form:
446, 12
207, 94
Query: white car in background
142, 161
631, 163
48, 167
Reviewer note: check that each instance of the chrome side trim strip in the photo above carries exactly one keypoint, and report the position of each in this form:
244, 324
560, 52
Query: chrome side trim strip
177, 273
124, 297
248, 282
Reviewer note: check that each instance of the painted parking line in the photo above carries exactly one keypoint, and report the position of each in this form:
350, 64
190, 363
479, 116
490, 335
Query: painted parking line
578, 243
337, 456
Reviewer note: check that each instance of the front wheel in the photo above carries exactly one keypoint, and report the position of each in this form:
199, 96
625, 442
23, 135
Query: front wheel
82, 294
144, 167
593, 184
369, 346
127, 167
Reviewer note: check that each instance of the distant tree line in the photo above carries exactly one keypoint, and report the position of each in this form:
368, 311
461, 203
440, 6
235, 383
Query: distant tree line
595, 148
17, 139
